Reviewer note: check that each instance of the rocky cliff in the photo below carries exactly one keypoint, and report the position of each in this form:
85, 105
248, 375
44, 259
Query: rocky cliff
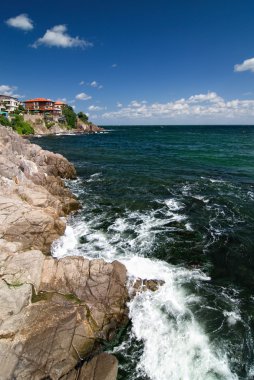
54, 314
53, 127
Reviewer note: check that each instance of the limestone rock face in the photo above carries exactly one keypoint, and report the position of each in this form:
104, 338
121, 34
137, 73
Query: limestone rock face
33, 196
101, 367
101, 285
53, 313
83, 127
40, 128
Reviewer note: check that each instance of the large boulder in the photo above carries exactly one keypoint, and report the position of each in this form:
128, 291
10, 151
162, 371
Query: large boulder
55, 312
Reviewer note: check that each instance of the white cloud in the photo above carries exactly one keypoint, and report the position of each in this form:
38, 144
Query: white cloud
209, 97
8, 90
21, 22
114, 65
95, 84
136, 104
206, 107
96, 108
83, 96
81, 83
247, 65
119, 105
58, 36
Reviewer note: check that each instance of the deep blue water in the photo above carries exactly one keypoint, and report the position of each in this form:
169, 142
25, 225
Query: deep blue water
182, 195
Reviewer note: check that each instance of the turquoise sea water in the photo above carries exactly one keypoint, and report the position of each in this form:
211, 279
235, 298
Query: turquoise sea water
175, 203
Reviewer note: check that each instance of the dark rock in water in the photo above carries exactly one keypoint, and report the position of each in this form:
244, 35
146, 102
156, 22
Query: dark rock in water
140, 285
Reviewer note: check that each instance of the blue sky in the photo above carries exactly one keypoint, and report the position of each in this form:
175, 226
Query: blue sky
135, 61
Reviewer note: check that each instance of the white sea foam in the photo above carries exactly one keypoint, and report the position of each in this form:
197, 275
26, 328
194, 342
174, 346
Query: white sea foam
232, 317
173, 204
175, 346
201, 198
214, 180
250, 195
188, 227
94, 177
131, 234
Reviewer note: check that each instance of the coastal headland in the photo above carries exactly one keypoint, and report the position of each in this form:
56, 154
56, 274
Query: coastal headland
54, 314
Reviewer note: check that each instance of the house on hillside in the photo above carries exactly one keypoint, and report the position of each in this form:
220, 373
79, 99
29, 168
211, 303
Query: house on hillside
58, 107
8, 104
44, 106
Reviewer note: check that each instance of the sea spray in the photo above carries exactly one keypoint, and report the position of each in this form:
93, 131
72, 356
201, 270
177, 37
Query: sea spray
175, 345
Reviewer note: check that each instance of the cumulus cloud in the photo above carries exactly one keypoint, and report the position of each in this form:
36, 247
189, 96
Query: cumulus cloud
119, 105
21, 21
247, 65
96, 108
95, 84
58, 37
114, 65
208, 106
209, 97
83, 96
9, 90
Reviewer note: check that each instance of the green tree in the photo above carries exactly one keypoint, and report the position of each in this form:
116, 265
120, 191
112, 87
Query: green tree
70, 116
20, 109
82, 116
20, 126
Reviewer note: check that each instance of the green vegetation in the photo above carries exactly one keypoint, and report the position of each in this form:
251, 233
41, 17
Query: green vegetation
4, 121
20, 126
20, 110
70, 116
82, 116
40, 296
49, 124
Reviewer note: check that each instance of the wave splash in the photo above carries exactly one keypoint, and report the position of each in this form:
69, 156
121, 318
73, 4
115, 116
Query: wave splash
174, 345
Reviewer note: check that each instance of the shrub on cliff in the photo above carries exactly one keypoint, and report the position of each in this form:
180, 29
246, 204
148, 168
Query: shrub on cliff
4, 121
70, 116
82, 116
21, 127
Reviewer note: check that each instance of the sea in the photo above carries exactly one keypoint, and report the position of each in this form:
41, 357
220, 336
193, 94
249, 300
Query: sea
172, 203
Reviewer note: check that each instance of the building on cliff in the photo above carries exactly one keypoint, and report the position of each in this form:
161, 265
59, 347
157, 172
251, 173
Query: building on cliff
8, 104
44, 106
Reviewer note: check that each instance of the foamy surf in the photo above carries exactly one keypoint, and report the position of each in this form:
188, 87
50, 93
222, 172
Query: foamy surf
175, 346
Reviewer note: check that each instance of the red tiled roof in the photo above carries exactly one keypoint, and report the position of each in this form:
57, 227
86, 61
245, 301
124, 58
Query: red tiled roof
59, 103
38, 100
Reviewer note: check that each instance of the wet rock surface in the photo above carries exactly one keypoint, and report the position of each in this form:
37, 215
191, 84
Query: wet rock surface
53, 313
139, 285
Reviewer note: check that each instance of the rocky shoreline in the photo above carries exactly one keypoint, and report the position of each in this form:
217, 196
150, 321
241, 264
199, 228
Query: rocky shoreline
41, 128
54, 314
